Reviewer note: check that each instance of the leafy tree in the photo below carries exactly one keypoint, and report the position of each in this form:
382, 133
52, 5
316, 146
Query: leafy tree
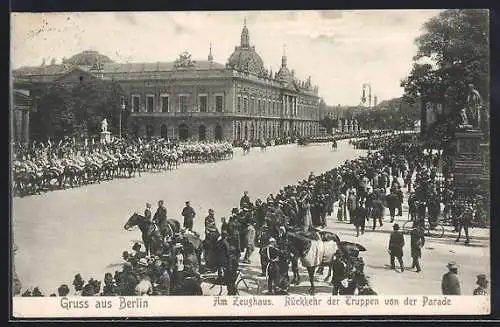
96, 100
54, 117
328, 123
457, 41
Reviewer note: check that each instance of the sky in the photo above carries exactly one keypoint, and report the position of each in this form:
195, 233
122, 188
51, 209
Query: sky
340, 49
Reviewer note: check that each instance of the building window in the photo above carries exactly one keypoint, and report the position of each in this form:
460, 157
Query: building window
219, 103
259, 102
252, 103
136, 99
165, 103
150, 103
238, 104
183, 103
202, 103
245, 104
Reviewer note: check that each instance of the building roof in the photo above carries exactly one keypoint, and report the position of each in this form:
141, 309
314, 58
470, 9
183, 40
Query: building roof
113, 67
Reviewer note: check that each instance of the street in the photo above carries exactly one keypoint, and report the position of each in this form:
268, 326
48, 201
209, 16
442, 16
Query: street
62, 233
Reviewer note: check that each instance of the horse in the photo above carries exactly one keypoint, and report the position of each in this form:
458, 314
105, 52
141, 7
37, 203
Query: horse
263, 146
246, 147
315, 249
151, 236
334, 145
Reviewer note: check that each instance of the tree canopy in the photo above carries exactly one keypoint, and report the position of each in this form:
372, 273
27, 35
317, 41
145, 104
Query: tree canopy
457, 40
77, 110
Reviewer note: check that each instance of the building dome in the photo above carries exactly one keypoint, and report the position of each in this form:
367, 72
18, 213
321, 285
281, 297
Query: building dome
284, 73
88, 58
244, 57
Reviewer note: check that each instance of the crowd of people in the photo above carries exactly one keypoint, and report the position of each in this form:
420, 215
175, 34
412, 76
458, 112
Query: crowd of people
362, 188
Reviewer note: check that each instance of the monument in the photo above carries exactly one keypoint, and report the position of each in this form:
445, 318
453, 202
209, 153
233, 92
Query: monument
472, 155
345, 129
105, 135
339, 125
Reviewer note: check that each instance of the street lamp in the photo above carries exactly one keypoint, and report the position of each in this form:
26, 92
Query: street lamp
120, 122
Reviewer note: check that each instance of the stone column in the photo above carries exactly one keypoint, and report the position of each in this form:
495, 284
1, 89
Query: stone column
26, 126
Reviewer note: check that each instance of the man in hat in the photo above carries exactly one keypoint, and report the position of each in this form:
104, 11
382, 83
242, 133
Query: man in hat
396, 244
245, 200
210, 226
160, 217
188, 213
339, 272
265, 236
482, 283
450, 285
393, 202
78, 283
234, 228
63, 290
272, 253
464, 222
147, 212
417, 241
360, 216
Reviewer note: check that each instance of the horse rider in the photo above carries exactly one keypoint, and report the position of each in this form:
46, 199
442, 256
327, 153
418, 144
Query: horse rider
147, 211
160, 217
188, 213
245, 200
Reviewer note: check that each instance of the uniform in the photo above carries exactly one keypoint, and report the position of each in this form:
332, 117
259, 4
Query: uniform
188, 213
273, 255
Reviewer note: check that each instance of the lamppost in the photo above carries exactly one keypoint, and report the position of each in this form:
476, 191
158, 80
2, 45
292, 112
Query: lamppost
120, 121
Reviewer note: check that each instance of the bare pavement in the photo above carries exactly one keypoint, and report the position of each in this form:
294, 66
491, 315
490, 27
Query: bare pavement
80, 230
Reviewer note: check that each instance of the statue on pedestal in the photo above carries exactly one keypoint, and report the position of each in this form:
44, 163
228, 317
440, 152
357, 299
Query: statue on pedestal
474, 106
104, 125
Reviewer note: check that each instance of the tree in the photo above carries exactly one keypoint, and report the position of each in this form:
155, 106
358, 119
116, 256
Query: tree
96, 100
55, 114
327, 123
457, 41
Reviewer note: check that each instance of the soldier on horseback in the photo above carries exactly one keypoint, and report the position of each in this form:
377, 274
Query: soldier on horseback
160, 218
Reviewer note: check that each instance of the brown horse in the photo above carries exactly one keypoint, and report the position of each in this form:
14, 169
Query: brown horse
151, 236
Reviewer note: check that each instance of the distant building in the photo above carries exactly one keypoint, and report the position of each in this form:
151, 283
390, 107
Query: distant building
200, 100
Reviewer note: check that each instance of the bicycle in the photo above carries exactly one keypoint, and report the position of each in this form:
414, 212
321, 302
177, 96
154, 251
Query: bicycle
436, 231
248, 282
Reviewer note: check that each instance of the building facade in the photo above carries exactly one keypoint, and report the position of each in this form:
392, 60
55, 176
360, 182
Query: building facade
199, 100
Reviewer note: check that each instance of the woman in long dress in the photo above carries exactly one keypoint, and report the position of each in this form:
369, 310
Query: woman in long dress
307, 218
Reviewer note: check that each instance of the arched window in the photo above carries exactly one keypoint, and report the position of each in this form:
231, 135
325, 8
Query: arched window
164, 131
202, 131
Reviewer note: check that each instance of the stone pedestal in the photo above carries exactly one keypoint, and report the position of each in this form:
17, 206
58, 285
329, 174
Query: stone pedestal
105, 137
468, 167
